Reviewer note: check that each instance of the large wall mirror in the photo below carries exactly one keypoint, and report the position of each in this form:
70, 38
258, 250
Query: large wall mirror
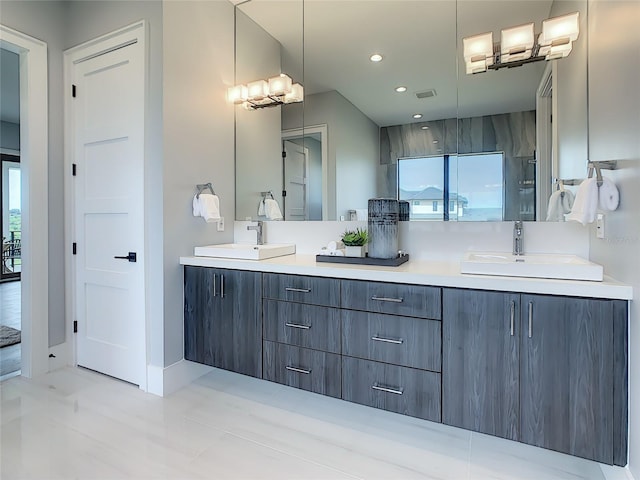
457, 146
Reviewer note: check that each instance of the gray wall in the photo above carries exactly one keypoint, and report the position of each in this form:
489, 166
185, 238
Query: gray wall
46, 20
10, 135
614, 124
198, 141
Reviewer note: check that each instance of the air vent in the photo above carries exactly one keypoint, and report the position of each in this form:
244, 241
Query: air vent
426, 94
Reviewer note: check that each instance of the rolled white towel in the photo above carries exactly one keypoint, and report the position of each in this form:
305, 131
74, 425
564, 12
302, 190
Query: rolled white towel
608, 195
586, 202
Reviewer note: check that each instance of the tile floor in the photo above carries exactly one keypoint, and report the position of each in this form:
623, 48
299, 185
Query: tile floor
10, 316
74, 423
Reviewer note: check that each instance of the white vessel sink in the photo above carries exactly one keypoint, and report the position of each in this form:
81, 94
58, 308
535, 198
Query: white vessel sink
245, 251
568, 267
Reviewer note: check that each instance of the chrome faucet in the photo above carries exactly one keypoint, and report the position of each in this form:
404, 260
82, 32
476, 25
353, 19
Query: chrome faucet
518, 238
258, 229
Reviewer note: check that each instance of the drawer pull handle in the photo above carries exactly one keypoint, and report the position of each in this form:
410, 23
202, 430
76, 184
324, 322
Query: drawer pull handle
298, 370
387, 299
297, 325
513, 317
382, 388
530, 319
398, 341
300, 290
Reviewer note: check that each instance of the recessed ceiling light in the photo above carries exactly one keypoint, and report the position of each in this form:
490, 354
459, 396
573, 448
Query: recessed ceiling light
435, 141
376, 57
424, 127
401, 89
417, 115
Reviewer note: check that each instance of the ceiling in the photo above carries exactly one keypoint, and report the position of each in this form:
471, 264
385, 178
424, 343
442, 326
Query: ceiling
9, 86
417, 39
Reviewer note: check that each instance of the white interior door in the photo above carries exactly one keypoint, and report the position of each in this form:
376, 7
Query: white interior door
295, 180
108, 113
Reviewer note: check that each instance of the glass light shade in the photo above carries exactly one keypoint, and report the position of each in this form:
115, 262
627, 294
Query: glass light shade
560, 30
257, 90
296, 94
551, 52
476, 67
237, 94
517, 40
280, 85
478, 47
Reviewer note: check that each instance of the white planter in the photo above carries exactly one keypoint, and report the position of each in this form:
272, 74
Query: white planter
354, 251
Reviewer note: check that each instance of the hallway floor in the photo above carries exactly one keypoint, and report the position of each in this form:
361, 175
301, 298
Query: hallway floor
10, 311
74, 423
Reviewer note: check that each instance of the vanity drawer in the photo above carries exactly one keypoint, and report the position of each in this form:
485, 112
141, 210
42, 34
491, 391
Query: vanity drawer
302, 368
309, 326
395, 298
412, 342
298, 288
398, 389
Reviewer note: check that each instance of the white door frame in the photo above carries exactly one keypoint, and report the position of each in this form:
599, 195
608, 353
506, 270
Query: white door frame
34, 159
322, 131
135, 32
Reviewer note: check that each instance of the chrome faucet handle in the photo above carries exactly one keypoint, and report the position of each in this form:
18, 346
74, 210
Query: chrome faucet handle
518, 239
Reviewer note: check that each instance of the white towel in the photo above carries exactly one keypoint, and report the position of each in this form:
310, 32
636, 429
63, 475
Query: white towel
261, 208
560, 203
361, 214
207, 206
586, 202
272, 209
608, 195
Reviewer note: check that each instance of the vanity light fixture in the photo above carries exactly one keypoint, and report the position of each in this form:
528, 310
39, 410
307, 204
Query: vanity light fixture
401, 89
277, 90
376, 57
417, 115
519, 45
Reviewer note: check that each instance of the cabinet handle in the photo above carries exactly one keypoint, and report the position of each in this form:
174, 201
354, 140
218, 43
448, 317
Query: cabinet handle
301, 290
297, 325
513, 316
214, 285
298, 370
387, 299
530, 319
376, 338
382, 388
222, 286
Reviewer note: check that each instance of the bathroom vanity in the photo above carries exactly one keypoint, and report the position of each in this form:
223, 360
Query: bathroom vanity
543, 362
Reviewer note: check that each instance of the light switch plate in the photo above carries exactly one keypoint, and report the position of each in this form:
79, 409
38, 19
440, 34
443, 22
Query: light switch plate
600, 225
221, 224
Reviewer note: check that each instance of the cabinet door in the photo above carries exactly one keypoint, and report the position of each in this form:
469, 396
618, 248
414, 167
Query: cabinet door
566, 376
240, 336
480, 361
202, 307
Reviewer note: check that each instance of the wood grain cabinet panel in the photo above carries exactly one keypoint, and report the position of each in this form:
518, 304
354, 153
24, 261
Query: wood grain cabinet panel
302, 289
303, 368
391, 387
223, 319
393, 298
407, 341
309, 326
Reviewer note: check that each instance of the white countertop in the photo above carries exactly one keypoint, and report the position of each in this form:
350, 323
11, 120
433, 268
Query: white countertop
421, 272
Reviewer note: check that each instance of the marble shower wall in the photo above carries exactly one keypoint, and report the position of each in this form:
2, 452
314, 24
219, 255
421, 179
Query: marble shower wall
511, 133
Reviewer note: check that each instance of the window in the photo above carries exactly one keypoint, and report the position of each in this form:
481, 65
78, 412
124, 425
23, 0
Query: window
463, 187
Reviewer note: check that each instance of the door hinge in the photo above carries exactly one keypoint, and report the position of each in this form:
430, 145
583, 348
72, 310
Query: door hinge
73, 91
73, 169
75, 248
75, 326
284, 193
284, 154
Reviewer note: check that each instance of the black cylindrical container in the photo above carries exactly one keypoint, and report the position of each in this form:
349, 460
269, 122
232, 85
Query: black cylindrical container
383, 228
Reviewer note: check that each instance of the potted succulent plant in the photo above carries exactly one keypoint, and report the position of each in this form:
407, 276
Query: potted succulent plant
354, 242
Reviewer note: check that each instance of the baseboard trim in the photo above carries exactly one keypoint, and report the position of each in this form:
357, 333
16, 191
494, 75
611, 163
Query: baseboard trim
616, 473
165, 381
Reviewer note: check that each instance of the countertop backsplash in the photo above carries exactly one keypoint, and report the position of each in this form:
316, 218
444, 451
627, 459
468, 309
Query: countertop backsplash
431, 240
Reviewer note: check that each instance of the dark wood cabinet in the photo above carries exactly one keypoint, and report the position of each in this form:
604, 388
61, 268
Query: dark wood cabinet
536, 368
480, 366
223, 319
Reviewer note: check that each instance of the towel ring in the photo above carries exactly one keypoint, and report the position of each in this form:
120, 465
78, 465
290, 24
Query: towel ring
203, 186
